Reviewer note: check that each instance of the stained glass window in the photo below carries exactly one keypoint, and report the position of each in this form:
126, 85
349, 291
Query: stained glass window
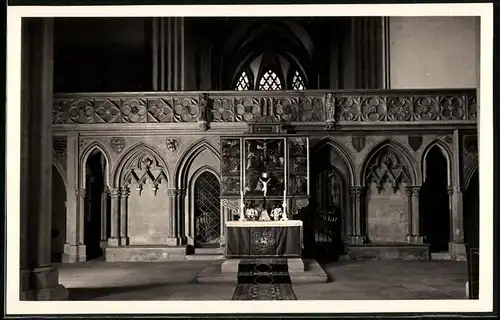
298, 82
243, 82
270, 81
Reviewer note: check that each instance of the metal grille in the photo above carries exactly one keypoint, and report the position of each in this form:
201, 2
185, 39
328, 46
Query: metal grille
207, 209
329, 200
243, 83
298, 82
270, 81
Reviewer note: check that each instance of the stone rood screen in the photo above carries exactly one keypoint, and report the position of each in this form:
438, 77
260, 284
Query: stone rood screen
327, 108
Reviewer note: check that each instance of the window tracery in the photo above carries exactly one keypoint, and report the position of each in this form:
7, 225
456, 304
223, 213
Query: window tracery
243, 82
298, 82
270, 81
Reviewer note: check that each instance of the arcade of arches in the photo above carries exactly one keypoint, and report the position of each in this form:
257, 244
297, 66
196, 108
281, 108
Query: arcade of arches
138, 176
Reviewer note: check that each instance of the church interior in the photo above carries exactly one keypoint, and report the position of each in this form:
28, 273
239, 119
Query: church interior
246, 152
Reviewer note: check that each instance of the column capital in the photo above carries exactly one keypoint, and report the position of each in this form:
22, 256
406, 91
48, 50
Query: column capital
105, 194
125, 192
173, 192
357, 190
450, 189
409, 191
81, 192
416, 191
114, 192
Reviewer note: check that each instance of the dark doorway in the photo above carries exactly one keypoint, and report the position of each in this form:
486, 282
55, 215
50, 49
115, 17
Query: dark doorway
435, 203
207, 210
323, 232
471, 211
95, 186
58, 231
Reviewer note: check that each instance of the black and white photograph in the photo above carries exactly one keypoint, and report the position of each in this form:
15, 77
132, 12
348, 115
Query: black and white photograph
228, 154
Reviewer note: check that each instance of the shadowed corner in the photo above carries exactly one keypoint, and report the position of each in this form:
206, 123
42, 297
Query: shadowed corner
85, 294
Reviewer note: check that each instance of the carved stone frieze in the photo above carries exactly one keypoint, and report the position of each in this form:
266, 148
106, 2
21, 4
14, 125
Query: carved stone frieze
117, 144
343, 107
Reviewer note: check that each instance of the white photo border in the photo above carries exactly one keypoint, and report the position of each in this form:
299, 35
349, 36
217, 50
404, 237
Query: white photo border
13, 134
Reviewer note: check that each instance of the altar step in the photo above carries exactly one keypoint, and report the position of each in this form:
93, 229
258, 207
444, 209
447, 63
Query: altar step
311, 272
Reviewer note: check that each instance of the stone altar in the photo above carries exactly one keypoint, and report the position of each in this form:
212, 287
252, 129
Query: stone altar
250, 239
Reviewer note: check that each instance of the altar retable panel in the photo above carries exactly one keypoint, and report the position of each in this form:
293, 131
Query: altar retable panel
278, 164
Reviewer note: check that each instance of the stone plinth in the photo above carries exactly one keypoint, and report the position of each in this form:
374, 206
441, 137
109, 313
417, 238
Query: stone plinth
382, 251
145, 253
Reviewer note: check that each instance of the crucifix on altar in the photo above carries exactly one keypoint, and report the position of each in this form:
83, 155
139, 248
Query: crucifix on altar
266, 179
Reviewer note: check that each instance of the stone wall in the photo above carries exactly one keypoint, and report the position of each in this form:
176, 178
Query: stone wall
387, 214
433, 52
175, 162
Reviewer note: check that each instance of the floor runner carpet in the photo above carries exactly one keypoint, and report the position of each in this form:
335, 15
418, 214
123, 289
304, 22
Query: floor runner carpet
264, 279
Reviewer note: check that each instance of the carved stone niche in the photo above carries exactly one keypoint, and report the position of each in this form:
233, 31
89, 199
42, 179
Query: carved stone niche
145, 170
387, 167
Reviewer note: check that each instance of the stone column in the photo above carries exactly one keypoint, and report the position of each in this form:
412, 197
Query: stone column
104, 215
364, 53
74, 251
82, 205
415, 205
224, 217
175, 230
125, 193
456, 247
175, 53
356, 236
180, 233
409, 234
43, 280
113, 240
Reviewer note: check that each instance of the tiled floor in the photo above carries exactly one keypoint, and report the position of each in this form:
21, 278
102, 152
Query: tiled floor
357, 280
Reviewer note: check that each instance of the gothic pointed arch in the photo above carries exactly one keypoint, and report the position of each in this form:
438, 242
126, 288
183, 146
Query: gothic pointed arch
141, 164
389, 161
60, 169
342, 152
272, 38
95, 146
445, 151
184, 165
470, 173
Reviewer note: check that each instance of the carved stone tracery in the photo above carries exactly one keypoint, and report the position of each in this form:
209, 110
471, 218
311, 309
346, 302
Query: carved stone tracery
144, 169
387, 167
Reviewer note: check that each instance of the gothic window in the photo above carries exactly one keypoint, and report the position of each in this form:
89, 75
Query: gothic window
243, 82
298, 82
270, 81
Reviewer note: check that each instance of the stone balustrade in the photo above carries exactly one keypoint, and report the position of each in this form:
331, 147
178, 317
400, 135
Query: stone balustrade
328, 108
